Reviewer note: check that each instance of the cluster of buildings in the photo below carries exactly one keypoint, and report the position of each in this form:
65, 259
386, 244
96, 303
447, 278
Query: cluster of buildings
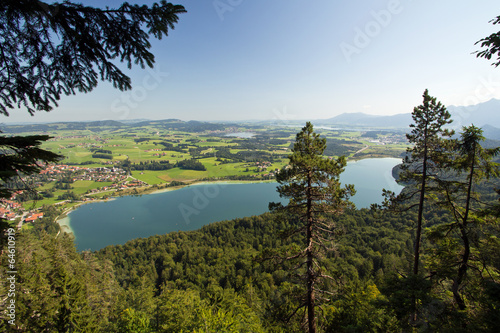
111, 174
8, 209
11, 210
120, 186
32, 217
264, 166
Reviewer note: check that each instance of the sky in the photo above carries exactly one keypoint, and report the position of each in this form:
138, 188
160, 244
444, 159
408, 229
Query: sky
297, 59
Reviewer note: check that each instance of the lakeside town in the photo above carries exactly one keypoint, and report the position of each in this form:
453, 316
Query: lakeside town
112, 179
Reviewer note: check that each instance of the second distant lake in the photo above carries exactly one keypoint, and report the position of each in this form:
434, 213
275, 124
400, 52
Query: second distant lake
100, 224
244, 135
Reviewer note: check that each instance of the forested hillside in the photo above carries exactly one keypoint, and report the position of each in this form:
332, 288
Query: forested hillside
217, 276
222, 278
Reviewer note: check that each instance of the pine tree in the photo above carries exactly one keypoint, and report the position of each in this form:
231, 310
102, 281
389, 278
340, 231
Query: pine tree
421, 164
311, 182
427, 136
469, 165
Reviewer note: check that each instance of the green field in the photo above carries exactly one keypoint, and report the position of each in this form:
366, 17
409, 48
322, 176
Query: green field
150, 177
156, 143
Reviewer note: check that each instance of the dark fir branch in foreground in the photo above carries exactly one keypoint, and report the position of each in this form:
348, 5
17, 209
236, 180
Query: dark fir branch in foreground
47, 50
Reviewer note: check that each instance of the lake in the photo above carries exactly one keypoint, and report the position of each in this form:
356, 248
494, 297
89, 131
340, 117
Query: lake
99, 224
243, 135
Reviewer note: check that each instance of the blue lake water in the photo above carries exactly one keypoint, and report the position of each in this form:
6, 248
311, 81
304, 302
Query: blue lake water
244, 135
97, 225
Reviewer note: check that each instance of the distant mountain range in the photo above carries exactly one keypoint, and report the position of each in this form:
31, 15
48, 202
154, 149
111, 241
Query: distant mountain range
367, 120
491, 132
487, 113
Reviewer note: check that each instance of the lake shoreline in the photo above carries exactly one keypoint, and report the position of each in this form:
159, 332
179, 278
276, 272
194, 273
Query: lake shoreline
64, 220
204, 199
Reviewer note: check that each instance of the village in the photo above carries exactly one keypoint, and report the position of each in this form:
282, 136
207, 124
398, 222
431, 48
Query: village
115, 179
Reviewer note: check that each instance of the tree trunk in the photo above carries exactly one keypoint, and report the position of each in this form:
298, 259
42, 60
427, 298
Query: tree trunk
462, 269
420, 214
418, 236
311, 318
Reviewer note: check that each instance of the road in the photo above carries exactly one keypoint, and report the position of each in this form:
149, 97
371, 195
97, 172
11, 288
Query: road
362, 149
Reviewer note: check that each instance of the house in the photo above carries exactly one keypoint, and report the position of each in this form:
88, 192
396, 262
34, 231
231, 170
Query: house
33, 217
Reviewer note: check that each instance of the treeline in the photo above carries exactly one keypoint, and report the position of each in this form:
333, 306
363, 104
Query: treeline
139, 140
257, 143
191, 164
374, 134
104, 156
170, 147
337, 147
101, 151
244, 155
152, 165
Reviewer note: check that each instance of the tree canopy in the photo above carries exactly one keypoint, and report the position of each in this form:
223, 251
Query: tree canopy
492, 45
47, 50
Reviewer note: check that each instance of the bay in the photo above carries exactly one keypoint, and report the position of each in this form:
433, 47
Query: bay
100, 224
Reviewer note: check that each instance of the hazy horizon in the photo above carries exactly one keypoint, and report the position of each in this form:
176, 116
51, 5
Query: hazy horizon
33, 120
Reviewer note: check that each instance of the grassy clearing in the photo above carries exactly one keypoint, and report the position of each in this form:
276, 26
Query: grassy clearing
150, 177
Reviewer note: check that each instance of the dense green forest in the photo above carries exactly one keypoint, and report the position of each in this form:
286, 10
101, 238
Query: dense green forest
221, 278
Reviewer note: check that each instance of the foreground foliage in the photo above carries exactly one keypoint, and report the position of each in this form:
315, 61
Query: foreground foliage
212, 280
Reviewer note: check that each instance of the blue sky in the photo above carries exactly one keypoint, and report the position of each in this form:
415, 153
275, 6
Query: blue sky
298, 59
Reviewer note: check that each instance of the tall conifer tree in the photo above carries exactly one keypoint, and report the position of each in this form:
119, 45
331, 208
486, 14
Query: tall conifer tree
427, 137
420, 166
311, 182
468, 166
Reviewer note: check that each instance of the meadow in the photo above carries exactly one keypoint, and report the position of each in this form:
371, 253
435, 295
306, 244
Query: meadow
166, 143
